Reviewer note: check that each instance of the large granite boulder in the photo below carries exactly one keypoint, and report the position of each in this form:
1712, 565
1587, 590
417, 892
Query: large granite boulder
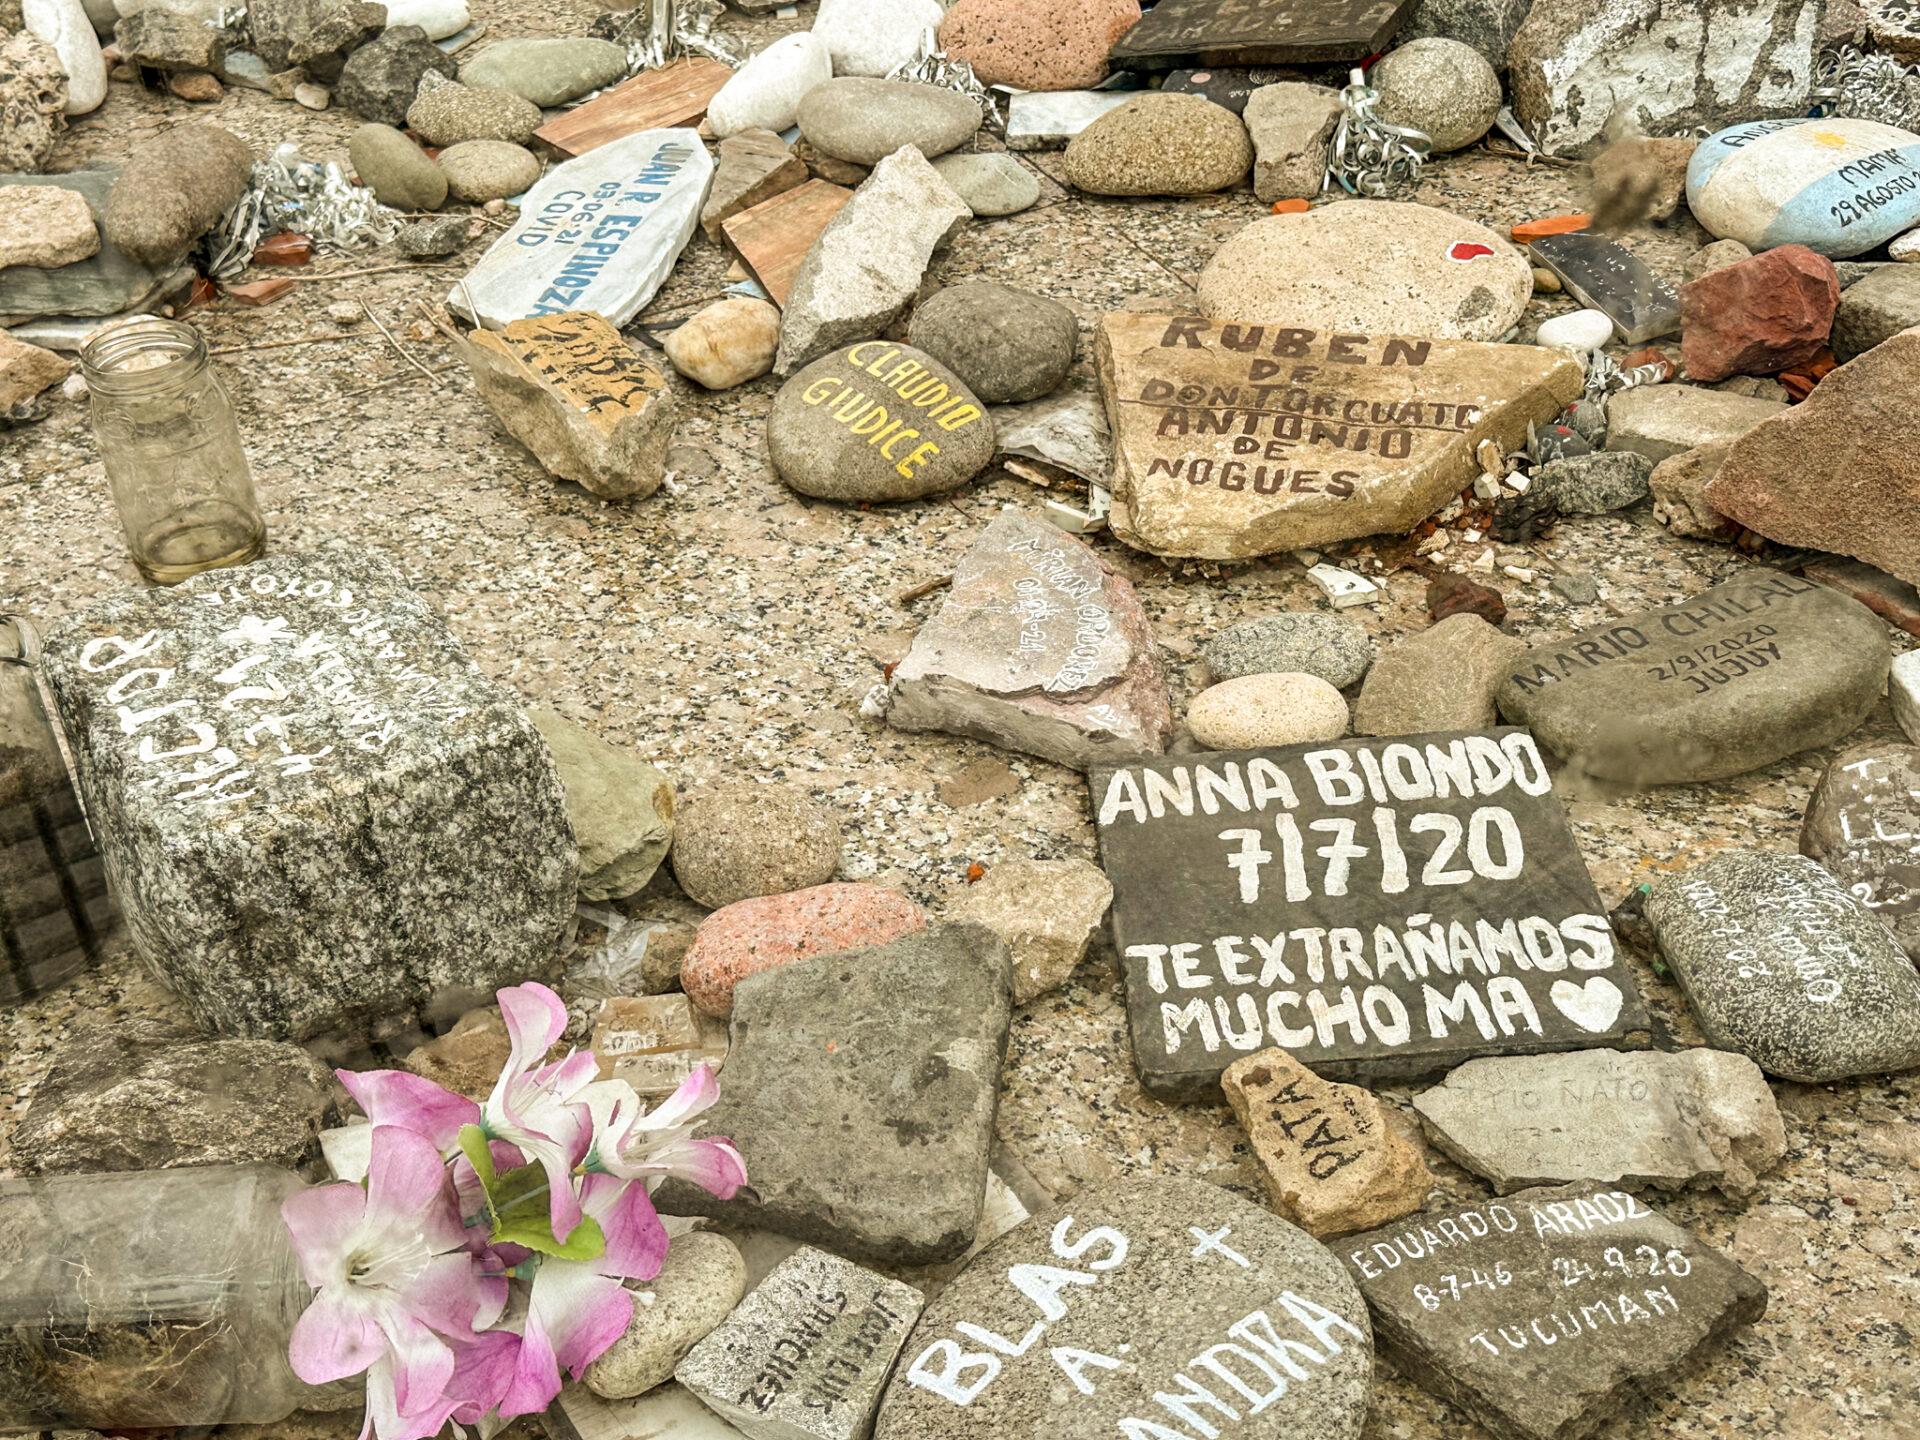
316, 810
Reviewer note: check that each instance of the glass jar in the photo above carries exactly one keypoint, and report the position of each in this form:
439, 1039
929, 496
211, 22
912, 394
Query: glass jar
55, 913
155, 1298
171, 446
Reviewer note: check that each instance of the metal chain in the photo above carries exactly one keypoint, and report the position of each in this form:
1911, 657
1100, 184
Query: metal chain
288, 193
1852, 85
933, 67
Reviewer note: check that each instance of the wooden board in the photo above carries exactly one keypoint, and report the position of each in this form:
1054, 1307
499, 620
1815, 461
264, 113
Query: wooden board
774, 236
1260, 32
662, 99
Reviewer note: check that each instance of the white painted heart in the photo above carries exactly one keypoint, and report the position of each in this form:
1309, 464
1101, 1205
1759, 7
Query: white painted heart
1593, 1006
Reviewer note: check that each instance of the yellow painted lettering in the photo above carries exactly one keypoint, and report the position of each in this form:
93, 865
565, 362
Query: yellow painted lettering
919, 457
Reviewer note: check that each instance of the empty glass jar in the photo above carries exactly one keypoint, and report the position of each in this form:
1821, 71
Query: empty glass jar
171, 446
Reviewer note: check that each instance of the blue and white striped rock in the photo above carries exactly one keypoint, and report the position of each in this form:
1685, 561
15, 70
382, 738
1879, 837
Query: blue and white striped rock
1839, 187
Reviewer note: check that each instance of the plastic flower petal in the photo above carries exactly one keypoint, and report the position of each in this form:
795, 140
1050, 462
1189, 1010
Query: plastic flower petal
578, 1308
390, 1270
411, 1102
534, 1110
652, 1146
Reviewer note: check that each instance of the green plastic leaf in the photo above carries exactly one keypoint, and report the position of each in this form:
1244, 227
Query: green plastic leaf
535, 1231
473, 1145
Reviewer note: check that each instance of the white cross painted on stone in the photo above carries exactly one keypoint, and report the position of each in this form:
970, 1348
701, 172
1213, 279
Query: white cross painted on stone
1213, 1242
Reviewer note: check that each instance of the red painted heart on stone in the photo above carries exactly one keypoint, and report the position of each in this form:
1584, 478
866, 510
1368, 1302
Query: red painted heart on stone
1467, 250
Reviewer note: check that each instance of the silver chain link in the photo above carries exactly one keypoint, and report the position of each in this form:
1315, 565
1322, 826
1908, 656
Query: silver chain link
1367, 156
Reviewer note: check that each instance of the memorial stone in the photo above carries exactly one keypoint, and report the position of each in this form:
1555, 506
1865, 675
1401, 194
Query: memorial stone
1143, 1308
597, 233
1543, 1315
1237, 440
574, 393
1837, 186
1039, 646
1259, 32
1375, 908
1863, 826
316, 809
861, 1089
806, 1354
1670, 1119
1734, 678
1783, 966
1613, 280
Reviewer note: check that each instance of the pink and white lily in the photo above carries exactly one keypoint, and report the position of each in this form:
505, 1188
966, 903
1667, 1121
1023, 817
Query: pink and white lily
537, 1111
652, 1145
394, 1274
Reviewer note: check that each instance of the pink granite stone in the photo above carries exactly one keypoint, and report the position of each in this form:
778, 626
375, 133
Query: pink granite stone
749, 936
1037, 44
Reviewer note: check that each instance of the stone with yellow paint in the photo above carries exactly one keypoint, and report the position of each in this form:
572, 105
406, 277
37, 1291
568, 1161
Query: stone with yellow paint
877, 421
575, 394
1233, 441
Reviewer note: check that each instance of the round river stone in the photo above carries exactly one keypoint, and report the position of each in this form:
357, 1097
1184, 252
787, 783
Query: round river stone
1732, 679
744, 840
1007, 345
1144, 1308
1260, 710
1783, 966
863, 120
1160, 144
991, 184
1373, 267
1442, 88
877, 421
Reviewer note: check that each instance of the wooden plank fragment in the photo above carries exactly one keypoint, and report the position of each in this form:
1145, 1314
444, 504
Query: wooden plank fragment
674, 95
774, 236
1260, 32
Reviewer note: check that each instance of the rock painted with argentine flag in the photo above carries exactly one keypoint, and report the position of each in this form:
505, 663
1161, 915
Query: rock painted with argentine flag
1839, 187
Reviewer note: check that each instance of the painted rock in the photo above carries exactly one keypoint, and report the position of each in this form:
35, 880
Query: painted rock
1240, 440
1372, 265
877, 421
1863, 825
1839, 187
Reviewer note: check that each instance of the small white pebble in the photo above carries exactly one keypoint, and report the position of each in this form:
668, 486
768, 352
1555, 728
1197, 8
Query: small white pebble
74, 387
1472, 537
1518, 572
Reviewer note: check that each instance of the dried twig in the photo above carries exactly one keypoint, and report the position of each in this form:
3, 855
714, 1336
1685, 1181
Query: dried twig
377, 270
282, 344
396, 345
369, 389
907, 597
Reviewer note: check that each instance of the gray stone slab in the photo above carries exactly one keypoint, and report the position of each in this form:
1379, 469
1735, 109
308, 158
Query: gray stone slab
1613, 280
1144, 1308
105, 283
1724, 682
316, 810
1543, 1315
1048, 119
1863, 825
861, 1088
1666, 1119
1782, 965
806, 1355
1376, 908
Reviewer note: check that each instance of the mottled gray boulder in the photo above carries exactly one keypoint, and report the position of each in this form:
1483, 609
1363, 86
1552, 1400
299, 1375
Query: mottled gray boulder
316, 809
1783, 966
1006, 345
861, 1089
380, 79
1163, 1302
621, 808
867, 265
1631, 1118
1595, 484
1296, 642
153, 1095
1486, 25
1876, 308
1863, 825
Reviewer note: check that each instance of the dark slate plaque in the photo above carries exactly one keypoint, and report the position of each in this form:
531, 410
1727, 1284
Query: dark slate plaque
1259, 32
1543, 1314
1226, 86
1375, 907
1613, 280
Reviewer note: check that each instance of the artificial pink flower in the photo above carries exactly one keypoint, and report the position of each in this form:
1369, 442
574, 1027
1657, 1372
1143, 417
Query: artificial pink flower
412, 1102
578, 1308
652, 1146
391, 1269
535, 1110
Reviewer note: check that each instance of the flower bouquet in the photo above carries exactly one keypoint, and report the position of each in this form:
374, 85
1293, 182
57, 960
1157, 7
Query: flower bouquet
485, 1248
